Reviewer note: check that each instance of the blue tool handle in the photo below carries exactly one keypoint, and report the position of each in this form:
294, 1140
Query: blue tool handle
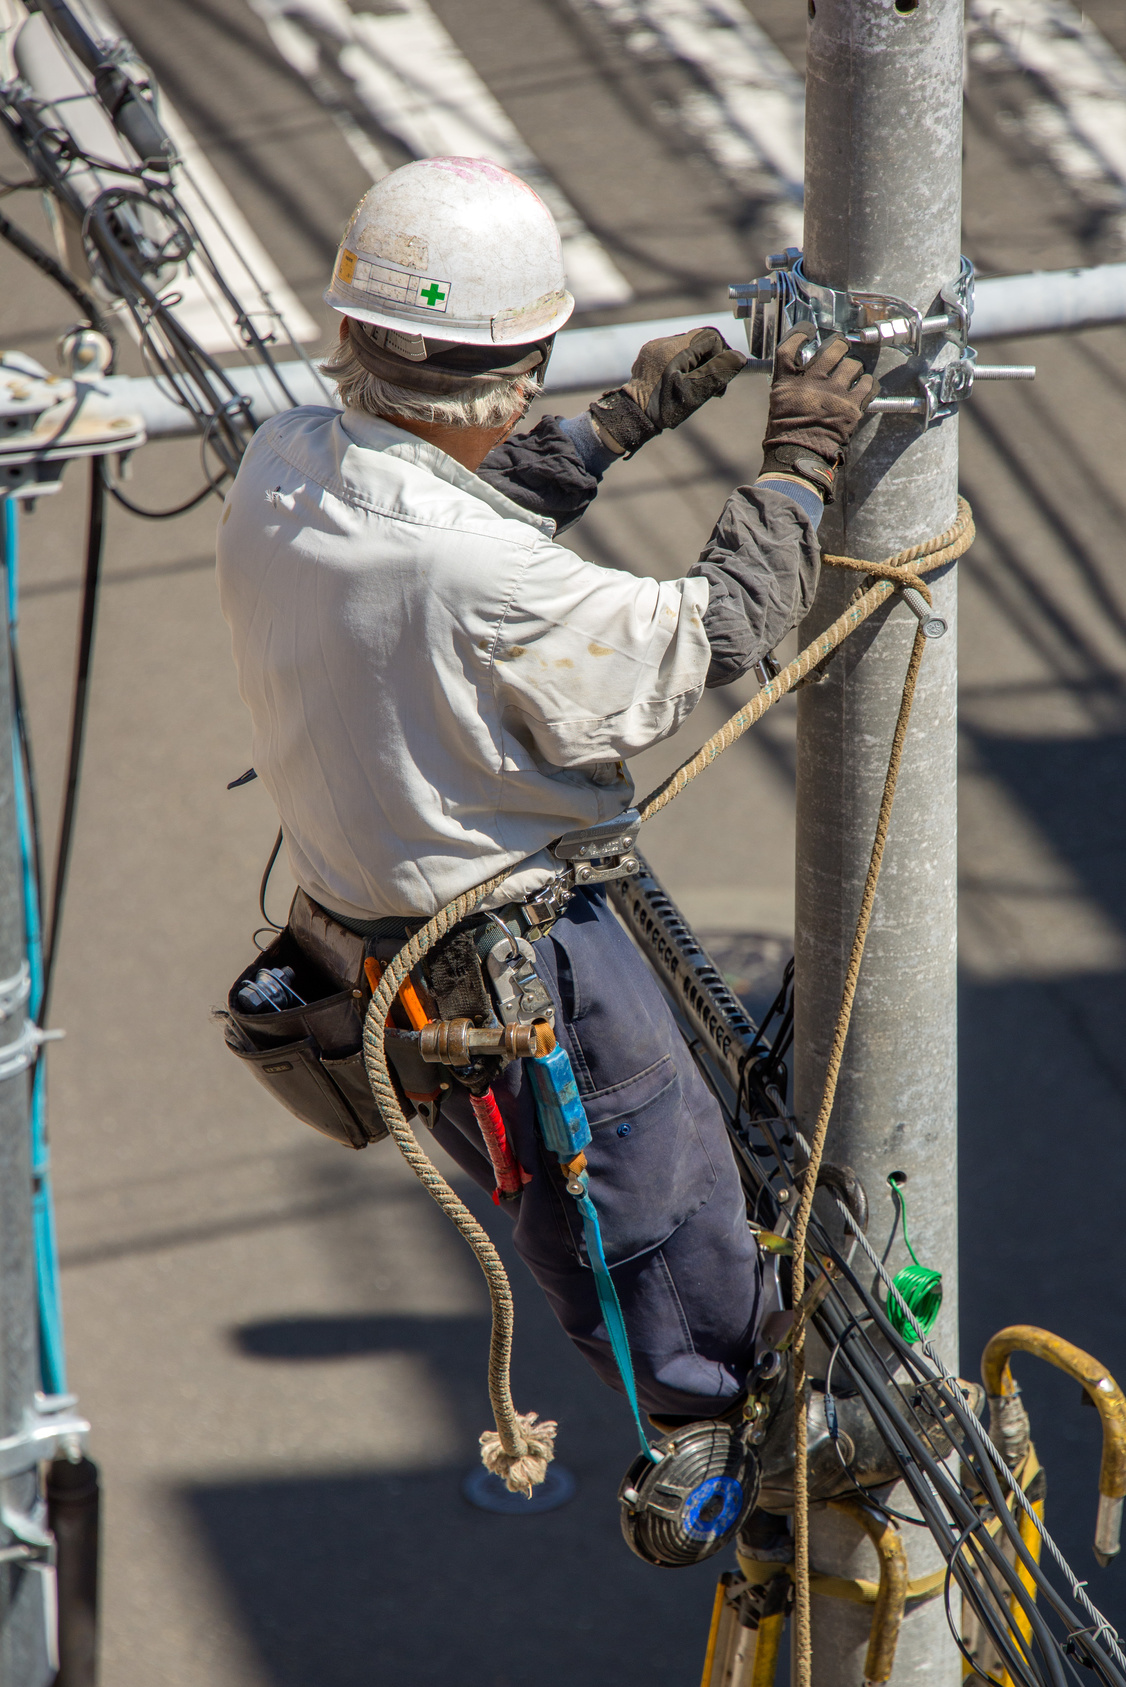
562, 1116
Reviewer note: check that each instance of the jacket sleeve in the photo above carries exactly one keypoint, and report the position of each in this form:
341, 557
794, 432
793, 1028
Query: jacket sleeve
542, 471
761, 564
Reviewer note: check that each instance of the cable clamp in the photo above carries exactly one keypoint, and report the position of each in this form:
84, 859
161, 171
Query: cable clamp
17, 1056
937, 356
50, 1426
14, 991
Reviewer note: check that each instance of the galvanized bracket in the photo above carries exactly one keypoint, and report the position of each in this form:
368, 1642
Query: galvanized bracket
43, 427
774, 304
32, 1543
50, 1426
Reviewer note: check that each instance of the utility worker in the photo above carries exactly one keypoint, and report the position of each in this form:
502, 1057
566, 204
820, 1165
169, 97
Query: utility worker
439, 689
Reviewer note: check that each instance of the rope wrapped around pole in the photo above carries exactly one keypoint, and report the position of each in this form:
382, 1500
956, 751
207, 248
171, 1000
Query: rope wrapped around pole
894, 571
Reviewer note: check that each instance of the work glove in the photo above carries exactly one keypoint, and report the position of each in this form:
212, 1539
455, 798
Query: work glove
669, 380
815, 407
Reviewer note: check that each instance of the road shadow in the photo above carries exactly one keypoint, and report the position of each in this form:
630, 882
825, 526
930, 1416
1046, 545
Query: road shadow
1043, 1137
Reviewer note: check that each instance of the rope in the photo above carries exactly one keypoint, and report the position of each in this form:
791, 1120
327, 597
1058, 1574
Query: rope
894, 574
954, 542
521, 1448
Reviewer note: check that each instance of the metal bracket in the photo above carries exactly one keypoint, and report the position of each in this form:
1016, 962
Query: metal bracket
601, 852
33, 1542
773, 305
50, 1426
43, 427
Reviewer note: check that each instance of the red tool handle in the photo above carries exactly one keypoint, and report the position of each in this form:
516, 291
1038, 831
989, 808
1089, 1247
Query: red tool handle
510, 1176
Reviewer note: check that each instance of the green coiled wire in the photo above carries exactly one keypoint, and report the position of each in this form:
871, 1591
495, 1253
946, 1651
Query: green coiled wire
919, 1287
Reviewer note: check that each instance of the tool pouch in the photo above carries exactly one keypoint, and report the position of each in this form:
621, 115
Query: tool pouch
310, 1058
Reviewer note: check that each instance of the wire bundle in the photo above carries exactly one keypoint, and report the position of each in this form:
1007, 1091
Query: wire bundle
137, 239
970, 1504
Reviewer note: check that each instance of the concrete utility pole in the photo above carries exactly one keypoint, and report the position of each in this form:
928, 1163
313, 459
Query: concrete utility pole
24, 1658
883, 204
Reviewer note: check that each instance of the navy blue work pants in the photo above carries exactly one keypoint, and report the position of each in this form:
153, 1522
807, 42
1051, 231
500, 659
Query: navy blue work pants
662, 1176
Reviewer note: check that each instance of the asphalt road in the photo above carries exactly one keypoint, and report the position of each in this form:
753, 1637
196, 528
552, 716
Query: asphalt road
280, 1344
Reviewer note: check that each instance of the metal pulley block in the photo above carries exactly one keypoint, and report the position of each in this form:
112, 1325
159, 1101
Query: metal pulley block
943, 364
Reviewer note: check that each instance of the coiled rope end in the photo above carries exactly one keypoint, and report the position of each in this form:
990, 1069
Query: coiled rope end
521, 1472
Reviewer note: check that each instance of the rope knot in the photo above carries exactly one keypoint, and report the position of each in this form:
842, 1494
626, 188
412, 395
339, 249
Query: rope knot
525, 1467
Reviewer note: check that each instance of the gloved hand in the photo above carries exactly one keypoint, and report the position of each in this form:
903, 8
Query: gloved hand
669, 380
815, 407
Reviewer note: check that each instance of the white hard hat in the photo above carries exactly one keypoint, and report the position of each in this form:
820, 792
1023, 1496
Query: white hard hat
456, 249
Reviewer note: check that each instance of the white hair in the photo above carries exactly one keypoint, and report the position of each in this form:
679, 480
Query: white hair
482, 405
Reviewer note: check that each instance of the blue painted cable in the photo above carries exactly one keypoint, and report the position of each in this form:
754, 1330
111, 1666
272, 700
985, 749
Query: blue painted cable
52, 1358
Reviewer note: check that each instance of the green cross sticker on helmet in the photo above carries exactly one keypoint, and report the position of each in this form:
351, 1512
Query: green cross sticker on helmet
459, 238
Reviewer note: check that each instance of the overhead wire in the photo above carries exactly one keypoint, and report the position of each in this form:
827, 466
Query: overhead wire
95, 548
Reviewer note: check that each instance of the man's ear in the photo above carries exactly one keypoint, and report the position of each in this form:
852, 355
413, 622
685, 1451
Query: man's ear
343, 329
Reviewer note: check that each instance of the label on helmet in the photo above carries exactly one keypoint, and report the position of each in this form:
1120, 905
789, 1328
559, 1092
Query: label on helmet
396, 286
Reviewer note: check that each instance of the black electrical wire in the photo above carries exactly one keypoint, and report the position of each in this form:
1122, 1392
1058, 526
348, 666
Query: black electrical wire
265, 885
947, 1508
95, 547
930, 1480
961, 1503
30, 249
162, 515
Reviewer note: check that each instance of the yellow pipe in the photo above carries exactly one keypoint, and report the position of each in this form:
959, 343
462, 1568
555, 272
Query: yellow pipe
1101, 1390
713, 1632
891, 1595
767, 1642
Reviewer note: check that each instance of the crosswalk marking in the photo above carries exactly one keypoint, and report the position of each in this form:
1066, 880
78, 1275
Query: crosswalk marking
1077, 111
238, 254
748, 109
406, 70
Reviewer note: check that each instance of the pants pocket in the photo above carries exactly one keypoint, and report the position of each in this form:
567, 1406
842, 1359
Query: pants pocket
649, 1167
